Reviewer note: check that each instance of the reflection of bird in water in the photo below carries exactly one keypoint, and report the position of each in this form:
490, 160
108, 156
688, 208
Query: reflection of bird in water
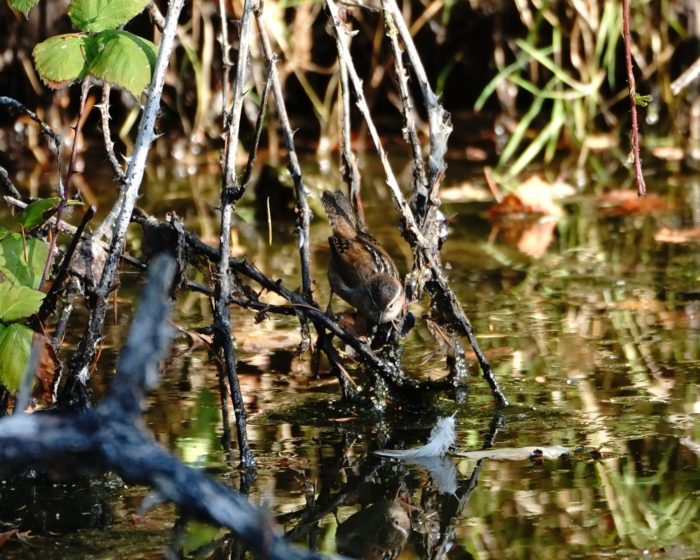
378, 532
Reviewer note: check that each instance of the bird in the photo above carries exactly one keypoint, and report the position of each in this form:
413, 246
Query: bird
378, 532
360, 270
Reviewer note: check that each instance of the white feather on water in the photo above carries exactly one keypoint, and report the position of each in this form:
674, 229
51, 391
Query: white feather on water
442, 437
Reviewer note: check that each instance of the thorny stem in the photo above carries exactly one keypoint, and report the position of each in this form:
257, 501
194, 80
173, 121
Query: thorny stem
638, 173
108, 222
351, 175
231, 191
250, 165
302, 206
65, 193
49, 303
407, 113
303, 211
410, 229
107, 135
425, 248
439, 124
75, 391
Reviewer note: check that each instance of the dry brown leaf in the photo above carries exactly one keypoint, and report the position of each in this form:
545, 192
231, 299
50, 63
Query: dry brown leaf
626, 202
668, 235
45, 375
472, 153
534, 196
535, 239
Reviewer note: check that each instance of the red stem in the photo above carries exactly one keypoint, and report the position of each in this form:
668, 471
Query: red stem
66, 194
641, 186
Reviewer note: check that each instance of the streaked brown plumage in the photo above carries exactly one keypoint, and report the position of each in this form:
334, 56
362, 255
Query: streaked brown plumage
361, 271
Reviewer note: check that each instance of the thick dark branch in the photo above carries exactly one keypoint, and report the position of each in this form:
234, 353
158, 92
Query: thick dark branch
110, 437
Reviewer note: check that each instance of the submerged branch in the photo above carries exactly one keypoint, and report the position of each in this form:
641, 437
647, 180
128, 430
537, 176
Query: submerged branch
111, 436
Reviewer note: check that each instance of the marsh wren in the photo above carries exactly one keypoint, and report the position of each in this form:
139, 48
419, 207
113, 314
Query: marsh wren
360, 270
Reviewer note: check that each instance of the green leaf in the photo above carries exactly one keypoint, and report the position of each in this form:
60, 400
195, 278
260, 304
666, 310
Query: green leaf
15, 345
101, 15
63, 59
38, 212
22, 261
23, 5
18, 302
642, 100
124, 59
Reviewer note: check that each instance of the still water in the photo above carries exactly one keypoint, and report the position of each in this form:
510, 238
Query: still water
591, 322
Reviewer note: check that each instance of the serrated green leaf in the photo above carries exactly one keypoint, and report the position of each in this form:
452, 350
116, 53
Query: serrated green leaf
38, 212
15, 345
18, 302
63, 59
23, 5
124, 59
18, 268
102, 15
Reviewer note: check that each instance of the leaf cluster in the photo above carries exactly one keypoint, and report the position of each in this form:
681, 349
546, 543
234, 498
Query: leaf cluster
22, 262
100, 49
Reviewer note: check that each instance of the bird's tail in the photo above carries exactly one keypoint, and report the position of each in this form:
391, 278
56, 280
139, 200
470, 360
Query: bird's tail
339, 214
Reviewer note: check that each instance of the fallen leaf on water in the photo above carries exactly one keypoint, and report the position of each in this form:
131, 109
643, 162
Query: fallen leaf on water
515, 453
626, 202
464, 192
600, 142
535, 239
668, 235
534, 196
473, 153
669, 153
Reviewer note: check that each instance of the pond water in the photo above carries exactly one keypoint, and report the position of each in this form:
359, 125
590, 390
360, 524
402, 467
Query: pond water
595, 341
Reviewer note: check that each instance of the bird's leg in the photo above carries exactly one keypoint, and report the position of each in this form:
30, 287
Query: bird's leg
329, 307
